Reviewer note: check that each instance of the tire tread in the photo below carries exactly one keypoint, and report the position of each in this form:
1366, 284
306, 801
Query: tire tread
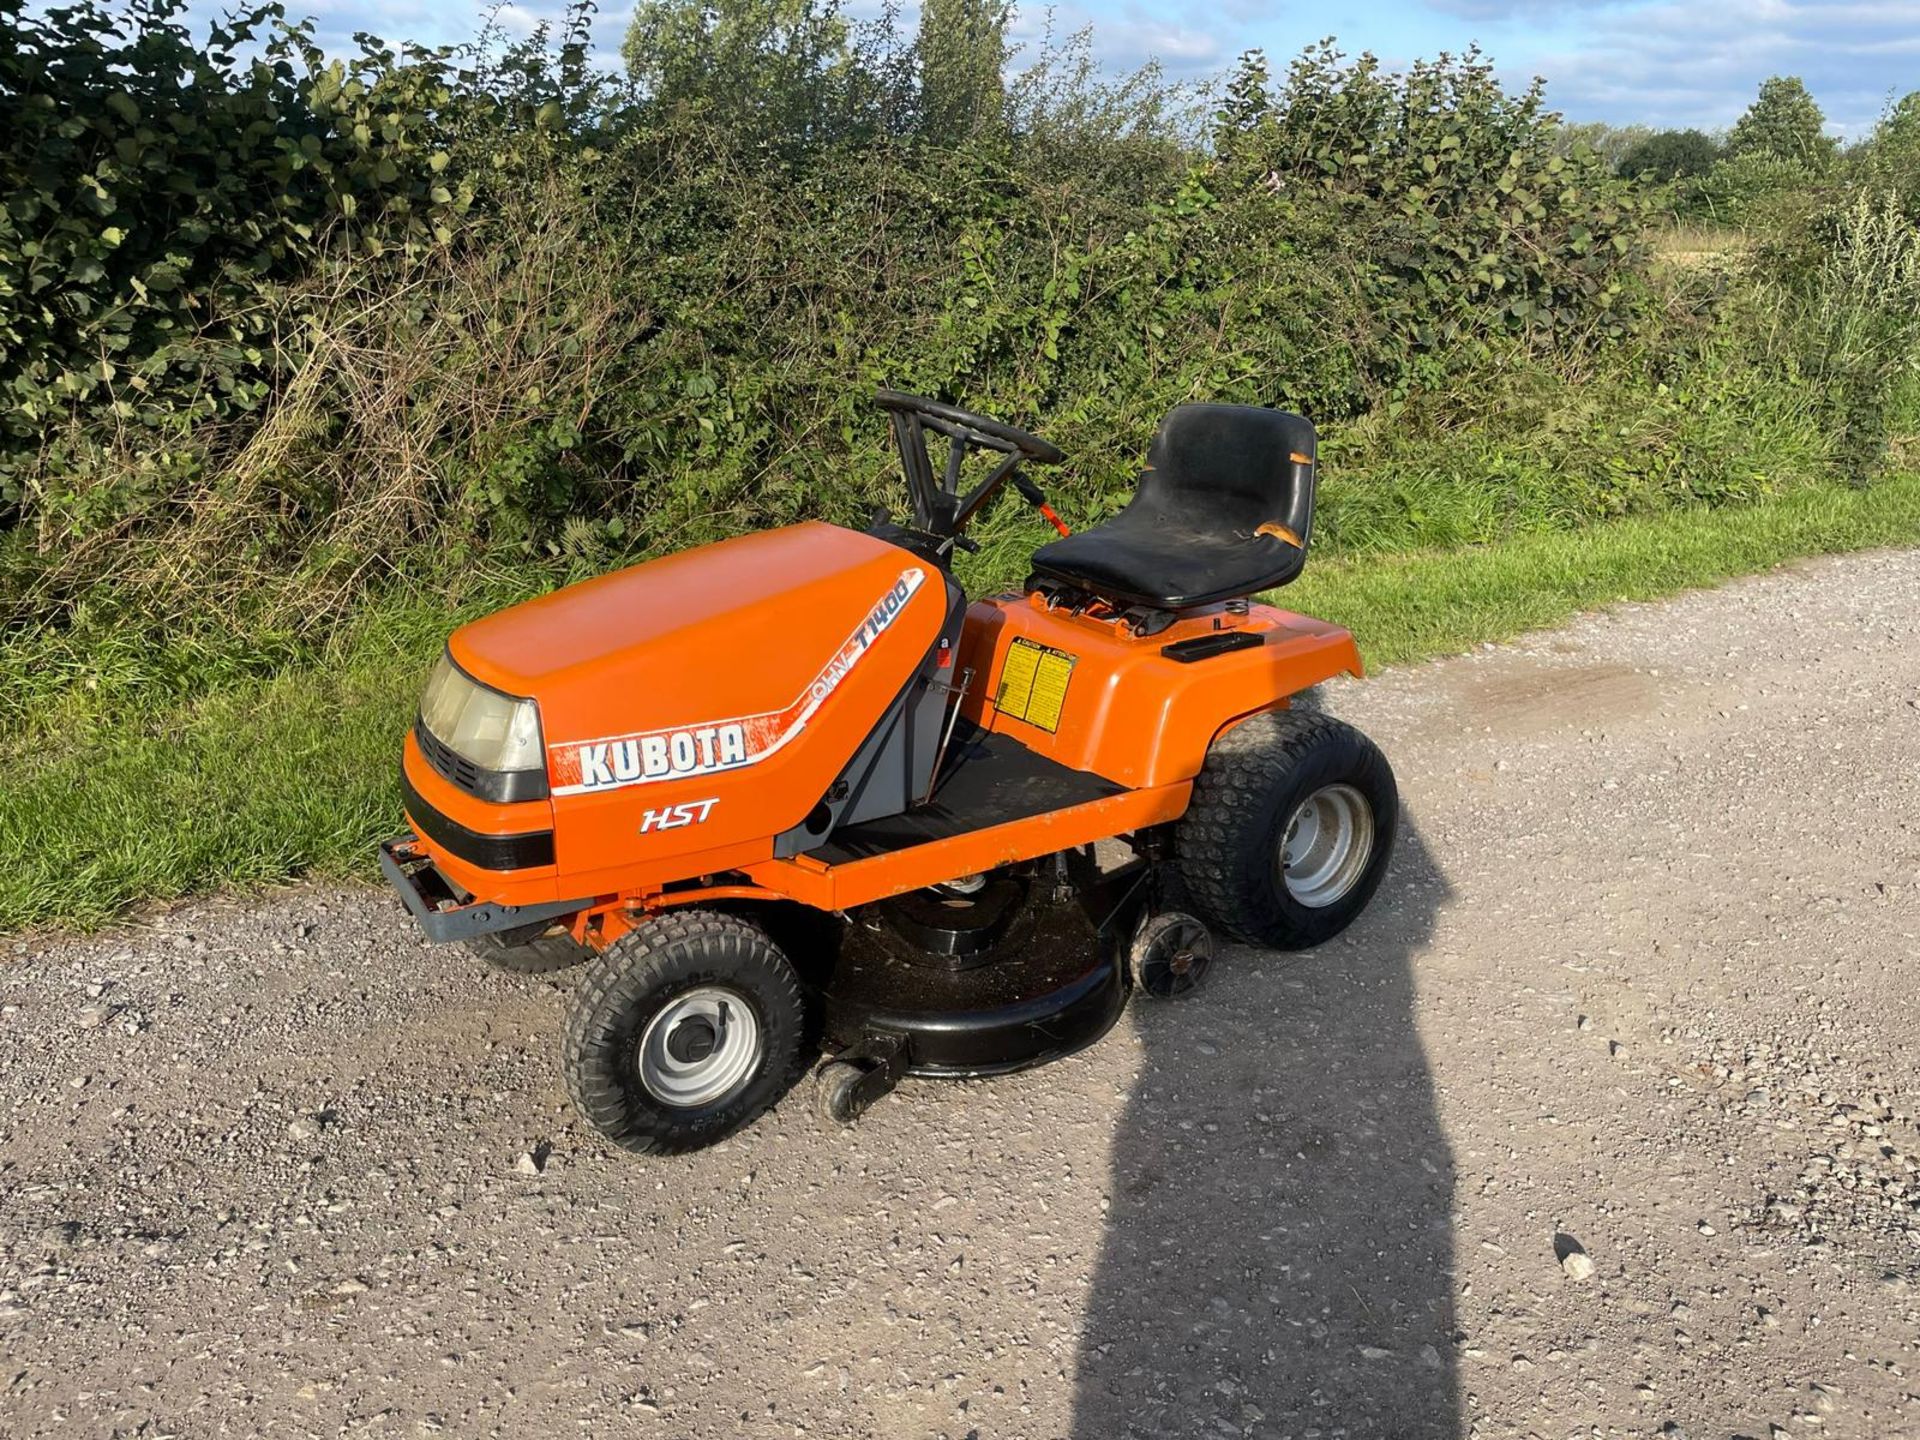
1222, 844
630, 968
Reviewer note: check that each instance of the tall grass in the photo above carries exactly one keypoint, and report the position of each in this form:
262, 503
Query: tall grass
1849, 295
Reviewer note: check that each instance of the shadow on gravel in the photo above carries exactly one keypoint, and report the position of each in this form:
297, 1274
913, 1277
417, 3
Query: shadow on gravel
1277, 1258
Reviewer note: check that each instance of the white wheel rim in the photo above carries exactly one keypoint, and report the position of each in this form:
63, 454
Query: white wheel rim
702, 1048
1326, 845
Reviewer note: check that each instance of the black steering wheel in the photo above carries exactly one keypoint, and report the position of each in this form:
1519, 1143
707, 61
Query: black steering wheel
939, 509
981, 430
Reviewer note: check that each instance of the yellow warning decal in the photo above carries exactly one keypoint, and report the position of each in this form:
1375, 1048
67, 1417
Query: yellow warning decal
1033, 684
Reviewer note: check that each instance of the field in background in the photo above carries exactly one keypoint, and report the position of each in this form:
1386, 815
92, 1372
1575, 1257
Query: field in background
1699, 244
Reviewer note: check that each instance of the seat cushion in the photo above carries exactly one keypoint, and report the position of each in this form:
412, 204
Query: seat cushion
1223, 485
1144, 556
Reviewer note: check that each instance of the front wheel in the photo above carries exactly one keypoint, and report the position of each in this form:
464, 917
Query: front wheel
685, 1030
1289, 829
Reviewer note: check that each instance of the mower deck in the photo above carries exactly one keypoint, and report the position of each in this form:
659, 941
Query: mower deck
1042, 983
1049, 979
1008, 1017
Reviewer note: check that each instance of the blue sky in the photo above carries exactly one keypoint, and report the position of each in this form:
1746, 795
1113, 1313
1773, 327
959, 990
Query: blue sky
1666, 62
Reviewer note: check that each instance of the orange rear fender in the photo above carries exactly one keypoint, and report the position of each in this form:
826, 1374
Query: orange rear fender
1087, 692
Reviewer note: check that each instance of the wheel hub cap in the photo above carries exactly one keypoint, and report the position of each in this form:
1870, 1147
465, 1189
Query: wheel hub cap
1328, 841
692, 1039
701, 1049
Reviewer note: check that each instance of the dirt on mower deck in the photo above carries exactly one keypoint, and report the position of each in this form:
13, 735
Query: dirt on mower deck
1601, 1122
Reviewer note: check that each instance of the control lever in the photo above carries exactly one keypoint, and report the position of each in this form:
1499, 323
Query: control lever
1037, 498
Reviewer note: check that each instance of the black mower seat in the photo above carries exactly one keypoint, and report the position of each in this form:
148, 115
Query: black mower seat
1226, 492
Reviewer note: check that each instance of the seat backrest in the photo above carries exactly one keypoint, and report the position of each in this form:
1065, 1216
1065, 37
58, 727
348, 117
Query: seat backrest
1232, 467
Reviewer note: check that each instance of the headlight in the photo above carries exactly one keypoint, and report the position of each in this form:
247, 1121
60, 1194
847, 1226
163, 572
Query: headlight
494, 731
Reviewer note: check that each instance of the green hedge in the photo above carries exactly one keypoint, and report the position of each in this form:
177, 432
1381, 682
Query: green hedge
278, 324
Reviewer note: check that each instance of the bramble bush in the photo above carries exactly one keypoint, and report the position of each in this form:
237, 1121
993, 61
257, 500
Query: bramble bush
282, 329
1471, 220
159, 194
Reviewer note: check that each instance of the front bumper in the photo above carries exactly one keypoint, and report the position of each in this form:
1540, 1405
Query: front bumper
527, 851
442, 915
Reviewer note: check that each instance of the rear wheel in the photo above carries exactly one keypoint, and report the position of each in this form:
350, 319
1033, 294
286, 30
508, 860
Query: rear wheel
530, 950
686, 1029
1289, 829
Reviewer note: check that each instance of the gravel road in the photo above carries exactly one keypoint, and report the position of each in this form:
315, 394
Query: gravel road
1600, 1123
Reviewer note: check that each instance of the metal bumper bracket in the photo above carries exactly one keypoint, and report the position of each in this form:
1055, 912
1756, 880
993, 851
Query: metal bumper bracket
442, 914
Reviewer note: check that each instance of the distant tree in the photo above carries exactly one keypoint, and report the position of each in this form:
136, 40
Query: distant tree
1609, 142
1783, 122
962, 53
1671, 155
776, 69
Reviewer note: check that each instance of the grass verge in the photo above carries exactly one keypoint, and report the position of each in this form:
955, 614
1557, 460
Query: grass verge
1412, 606
295, 774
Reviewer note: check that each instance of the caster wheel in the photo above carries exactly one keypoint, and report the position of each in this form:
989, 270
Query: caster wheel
1170, 955
833, 1092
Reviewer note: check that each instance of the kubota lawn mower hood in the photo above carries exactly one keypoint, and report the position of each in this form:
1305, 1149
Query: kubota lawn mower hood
742, 655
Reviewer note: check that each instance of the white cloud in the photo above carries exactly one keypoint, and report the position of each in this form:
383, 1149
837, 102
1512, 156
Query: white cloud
1183, 39
1680, 63
517, 19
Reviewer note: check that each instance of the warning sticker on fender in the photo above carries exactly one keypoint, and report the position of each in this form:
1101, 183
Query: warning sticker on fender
1033, 684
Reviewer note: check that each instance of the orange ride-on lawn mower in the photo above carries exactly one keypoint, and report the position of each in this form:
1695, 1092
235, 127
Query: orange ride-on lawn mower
792, 791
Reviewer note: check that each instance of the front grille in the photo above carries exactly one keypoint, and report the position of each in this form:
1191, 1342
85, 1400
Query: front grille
447, 763
489, 852
499, 786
